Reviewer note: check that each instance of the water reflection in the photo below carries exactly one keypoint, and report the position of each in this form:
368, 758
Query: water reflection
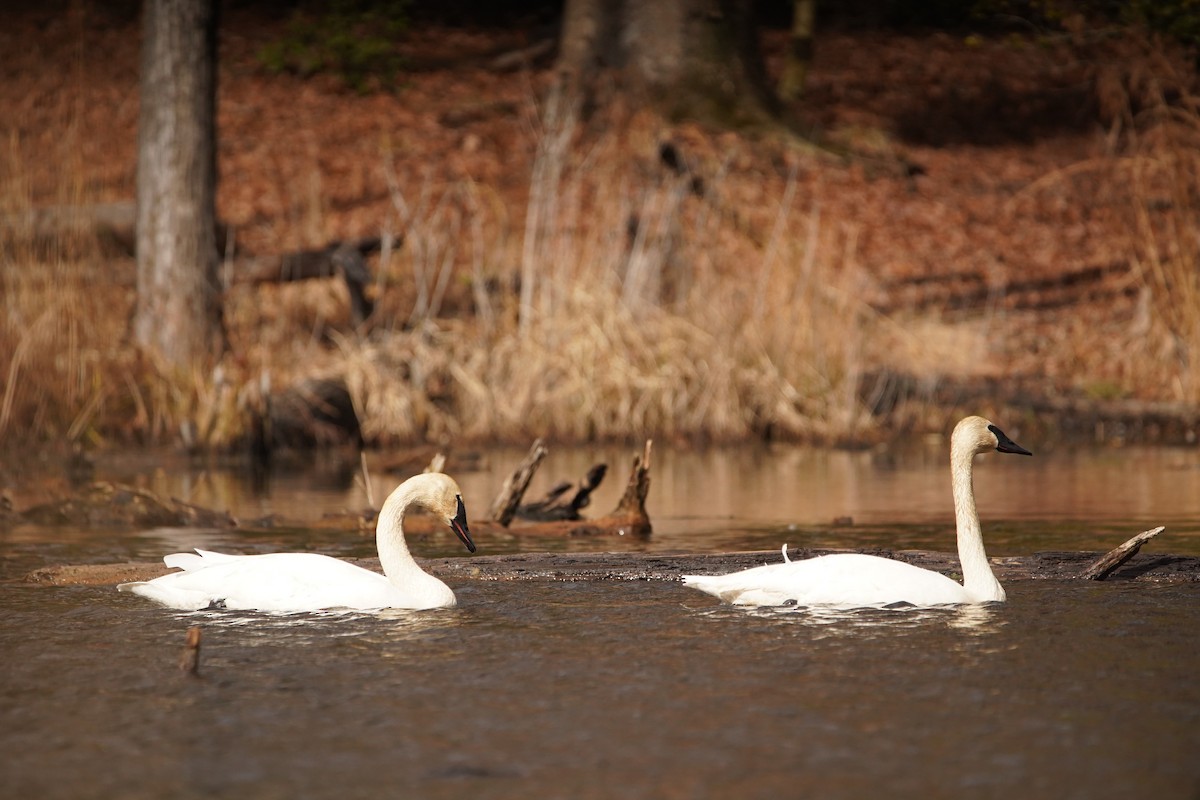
978, 619
394, 623
1091, 495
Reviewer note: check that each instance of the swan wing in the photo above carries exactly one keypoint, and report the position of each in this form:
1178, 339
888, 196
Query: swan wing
271, 582
847, 580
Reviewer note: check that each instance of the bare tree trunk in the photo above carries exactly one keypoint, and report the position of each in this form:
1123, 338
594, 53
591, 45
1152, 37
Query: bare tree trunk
800, 54
692, 58
179, 302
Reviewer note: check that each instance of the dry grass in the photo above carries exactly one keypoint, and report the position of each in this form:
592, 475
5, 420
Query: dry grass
605, 299
613, 330
1166, 256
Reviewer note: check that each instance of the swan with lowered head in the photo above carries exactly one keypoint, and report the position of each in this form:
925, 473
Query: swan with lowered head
852, 580
284, 582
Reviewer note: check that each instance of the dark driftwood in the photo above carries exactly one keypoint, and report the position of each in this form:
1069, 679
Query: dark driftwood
566, 499
116, 222
629, 518
504, 507
337, 258
1104, 566
669, 567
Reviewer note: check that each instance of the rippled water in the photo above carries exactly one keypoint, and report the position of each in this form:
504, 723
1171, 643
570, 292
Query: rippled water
541, 689
632, 689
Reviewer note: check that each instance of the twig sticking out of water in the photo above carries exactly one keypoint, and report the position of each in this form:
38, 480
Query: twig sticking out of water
1114, 558
189, 659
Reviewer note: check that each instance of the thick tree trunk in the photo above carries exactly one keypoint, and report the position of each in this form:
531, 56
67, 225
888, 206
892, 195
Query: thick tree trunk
693, 58
179, 302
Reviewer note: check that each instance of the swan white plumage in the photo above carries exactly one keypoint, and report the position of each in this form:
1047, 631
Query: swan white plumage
286, 582
852, 580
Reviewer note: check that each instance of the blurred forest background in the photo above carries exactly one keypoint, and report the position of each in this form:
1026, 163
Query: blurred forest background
447, 222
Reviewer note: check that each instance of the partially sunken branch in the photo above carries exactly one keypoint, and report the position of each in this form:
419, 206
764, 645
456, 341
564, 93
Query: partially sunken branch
1104, 566
566, 500
504, 507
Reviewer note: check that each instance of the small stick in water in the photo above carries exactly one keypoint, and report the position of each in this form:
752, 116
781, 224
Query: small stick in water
189, 660
1104, 566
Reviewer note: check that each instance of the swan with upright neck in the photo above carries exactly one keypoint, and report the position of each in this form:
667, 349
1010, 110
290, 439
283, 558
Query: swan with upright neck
852, 580
288, 582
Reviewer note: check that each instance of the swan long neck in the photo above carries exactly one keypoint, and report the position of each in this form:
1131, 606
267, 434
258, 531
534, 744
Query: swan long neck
978, 579
398, 564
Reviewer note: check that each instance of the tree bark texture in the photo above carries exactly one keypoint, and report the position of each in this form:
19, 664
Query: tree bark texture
692, 58
179, 298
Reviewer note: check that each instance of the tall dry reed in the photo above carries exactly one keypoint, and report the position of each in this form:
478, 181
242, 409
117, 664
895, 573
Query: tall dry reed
1165, 252
638, 309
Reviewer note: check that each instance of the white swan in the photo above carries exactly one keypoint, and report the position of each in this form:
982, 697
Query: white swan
308, 581
851, 580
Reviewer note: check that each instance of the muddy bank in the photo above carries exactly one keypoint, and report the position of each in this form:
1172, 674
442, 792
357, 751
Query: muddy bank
659, 567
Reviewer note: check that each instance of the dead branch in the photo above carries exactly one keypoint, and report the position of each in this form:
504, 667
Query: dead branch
638, 488
336, 258
504, 507
566, 499
1103, 566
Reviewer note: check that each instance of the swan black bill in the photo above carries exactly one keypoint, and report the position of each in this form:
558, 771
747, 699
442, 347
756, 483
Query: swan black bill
459, 526
1007, 445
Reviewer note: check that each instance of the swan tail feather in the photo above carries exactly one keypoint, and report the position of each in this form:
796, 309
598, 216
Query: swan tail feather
172, 597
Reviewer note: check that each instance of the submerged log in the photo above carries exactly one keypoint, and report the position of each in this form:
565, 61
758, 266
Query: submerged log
1114, 558
670, 567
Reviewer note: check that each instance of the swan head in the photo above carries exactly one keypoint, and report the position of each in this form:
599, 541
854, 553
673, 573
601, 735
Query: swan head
440, 494
982, 436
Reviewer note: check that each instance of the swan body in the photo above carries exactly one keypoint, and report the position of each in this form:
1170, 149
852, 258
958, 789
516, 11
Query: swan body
852, 580
290, 582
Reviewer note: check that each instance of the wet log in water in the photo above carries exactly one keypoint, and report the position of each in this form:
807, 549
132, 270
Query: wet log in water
558, 513
565, 500
504, 507
1114, 558
670, 567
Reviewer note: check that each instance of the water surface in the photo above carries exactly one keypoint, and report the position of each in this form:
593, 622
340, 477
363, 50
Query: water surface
541, 689
630, 689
